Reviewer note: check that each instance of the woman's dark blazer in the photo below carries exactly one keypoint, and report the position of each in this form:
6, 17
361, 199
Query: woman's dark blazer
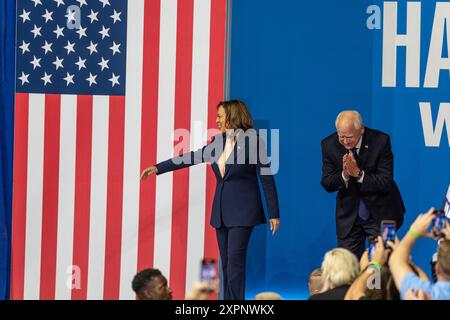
237, 199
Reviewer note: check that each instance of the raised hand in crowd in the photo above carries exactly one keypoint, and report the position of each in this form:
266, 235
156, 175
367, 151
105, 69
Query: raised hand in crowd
422, 224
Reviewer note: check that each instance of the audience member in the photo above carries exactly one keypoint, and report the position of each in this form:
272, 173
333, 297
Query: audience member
150, 284
375, 281
340, 268
403, 274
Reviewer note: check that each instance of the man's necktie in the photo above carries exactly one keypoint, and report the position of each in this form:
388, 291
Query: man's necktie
355, 154
363, 212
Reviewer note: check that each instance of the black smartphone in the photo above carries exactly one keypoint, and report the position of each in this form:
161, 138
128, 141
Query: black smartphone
438, 224
388, 231
208, 273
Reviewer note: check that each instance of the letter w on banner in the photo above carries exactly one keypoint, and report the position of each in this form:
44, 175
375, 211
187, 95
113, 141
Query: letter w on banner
101, 85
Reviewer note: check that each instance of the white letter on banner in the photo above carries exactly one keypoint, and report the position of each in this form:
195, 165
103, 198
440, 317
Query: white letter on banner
436, 62
433, 136
374, 21
410, 40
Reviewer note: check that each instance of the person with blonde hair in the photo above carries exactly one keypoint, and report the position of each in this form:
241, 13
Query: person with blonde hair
340, 267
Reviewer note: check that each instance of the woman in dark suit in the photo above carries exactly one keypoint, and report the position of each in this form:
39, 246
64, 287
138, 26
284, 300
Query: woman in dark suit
237, 160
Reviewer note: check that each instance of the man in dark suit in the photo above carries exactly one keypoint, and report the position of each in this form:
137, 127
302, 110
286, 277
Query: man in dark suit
358, 163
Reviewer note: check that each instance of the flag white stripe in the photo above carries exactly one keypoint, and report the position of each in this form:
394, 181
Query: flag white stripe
199, 124
166, 106
99, 178
35, 165
132, 147
66, 196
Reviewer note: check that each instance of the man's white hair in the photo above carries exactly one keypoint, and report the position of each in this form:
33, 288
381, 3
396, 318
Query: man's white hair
357, 119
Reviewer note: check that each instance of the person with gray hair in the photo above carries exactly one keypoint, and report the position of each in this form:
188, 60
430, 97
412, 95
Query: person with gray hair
358, 163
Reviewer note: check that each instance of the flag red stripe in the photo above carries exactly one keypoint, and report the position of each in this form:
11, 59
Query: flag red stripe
180, 194
19, 196
82, 192
114, 198
50, 196
147, 196
216, 93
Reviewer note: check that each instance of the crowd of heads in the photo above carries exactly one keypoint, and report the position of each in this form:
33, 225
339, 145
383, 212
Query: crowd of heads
387, 273
390, 273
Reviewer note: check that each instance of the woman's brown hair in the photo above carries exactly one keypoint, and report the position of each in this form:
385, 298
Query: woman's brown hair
237, 115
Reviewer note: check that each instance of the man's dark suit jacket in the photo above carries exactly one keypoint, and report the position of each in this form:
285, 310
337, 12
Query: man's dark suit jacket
378, 190
237, 199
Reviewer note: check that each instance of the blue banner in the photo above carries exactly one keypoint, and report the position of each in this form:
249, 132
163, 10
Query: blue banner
298, 64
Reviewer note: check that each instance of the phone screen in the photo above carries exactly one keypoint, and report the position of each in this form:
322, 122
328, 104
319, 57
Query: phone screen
388, 232
208, 272
372, 246
438, 223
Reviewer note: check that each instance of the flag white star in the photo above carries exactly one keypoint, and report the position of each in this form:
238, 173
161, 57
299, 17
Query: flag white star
35, 62
92, 48
47, 47
36, 31
105, 3
93, 16
69, 78
59, 2
103, 64
114, 80
25, 16
24, 78
36, 2
82, 2
116, 16
47, 15
69, 47
46, 78
59, 31
91, 79
82, 32
81, 63
70, 15
24, 47
115, 48
58, 63
104, 32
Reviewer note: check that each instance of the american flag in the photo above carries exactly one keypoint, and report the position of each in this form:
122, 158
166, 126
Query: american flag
101, 87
